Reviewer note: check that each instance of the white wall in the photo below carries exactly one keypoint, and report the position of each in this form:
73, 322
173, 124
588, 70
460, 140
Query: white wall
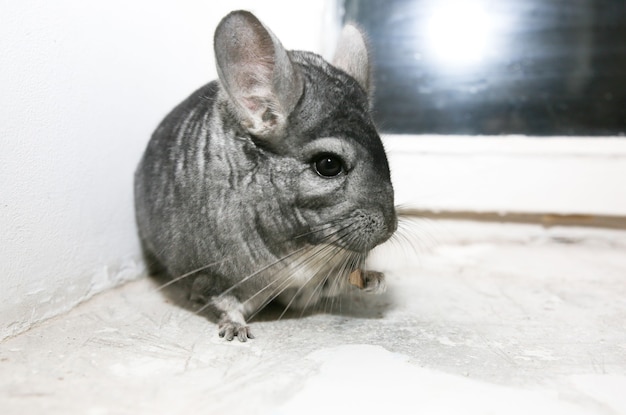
82, 86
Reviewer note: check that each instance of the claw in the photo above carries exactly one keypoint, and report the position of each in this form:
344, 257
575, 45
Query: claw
228, 331
232, 321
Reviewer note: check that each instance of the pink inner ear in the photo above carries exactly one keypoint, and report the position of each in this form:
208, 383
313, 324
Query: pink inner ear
253, 104
253, 85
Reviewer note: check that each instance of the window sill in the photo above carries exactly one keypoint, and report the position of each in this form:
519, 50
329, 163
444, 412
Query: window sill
510, 175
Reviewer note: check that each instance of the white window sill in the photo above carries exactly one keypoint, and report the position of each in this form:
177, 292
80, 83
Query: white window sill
509, 174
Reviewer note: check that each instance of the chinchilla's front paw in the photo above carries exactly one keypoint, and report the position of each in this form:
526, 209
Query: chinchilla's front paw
228, 329
374, 282
368, 281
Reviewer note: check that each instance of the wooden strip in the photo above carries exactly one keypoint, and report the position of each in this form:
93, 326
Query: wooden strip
545, 219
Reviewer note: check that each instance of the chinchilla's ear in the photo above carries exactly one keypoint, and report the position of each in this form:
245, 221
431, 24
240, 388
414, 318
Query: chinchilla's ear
257, 73
352, 56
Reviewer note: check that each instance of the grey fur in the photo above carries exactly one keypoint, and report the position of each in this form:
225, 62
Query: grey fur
227, 195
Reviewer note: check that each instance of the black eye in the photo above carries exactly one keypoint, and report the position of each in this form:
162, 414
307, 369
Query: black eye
328, 165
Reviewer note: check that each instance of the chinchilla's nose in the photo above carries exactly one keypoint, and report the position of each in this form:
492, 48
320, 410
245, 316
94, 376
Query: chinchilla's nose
391, 221
388, 211
383, 209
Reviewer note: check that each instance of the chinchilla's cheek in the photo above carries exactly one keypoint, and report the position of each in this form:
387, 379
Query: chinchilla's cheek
318, 193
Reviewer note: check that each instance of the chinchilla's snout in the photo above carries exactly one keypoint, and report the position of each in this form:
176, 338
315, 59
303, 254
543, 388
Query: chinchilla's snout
370, 229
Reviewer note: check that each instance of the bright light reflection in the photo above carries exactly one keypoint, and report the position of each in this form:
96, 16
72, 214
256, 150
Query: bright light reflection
459, 34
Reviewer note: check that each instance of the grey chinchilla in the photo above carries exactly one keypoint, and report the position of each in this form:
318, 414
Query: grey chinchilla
270, 183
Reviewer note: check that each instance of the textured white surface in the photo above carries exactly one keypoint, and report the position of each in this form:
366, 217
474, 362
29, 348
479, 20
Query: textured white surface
479, 319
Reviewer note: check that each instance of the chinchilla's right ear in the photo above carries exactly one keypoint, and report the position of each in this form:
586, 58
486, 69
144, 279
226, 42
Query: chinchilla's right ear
352, 56
258, 75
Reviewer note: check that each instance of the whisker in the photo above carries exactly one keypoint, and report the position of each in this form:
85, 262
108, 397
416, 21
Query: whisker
258, 272
187, 274
322, 281
309, 257
248, 277
325, 227
351, 262
204, 267
342, 263
408, 235
324, 253
316, 230
332, 252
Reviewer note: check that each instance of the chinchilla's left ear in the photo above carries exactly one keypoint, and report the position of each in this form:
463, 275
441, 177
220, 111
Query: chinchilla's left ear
258, 75
352, 56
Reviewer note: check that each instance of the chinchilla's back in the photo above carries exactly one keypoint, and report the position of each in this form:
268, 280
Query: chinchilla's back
271, 182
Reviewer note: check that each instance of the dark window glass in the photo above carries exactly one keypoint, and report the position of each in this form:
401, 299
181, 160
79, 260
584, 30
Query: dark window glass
537, 67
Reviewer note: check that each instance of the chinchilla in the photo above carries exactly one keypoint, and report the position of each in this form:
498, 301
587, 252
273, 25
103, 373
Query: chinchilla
270, 183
